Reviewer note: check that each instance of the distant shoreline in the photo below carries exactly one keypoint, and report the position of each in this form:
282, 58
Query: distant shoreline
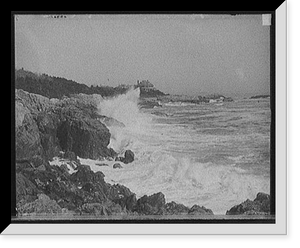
260, 96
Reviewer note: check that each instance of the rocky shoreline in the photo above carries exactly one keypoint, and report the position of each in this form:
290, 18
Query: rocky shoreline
67, 128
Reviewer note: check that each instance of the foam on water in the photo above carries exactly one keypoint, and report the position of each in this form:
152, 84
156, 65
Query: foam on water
173, 157
125, 109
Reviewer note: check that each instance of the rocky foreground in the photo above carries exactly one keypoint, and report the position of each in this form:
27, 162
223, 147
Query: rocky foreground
70, 127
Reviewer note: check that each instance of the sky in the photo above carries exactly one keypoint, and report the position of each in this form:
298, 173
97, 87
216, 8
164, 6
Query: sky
179, 54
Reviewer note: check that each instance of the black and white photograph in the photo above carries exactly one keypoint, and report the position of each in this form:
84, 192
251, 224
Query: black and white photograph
144, 118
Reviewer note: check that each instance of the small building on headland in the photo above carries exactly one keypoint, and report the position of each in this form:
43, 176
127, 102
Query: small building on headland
145, 84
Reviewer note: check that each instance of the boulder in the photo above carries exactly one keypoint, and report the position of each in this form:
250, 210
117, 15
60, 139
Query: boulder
151, 205
128, 157
117, 166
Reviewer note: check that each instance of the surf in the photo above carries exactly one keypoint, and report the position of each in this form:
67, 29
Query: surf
167, 155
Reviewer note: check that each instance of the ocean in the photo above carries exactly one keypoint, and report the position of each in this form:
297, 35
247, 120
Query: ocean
211, 154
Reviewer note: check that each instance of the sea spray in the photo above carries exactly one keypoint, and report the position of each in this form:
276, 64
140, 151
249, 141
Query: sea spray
125, 109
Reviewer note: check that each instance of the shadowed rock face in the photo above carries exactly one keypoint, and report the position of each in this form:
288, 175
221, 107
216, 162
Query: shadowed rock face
259, 206
44, 127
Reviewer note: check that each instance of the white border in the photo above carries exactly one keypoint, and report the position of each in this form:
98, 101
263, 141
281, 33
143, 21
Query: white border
281, 173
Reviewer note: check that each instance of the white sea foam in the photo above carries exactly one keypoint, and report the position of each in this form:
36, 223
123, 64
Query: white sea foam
167, 157
71, 166
125, 109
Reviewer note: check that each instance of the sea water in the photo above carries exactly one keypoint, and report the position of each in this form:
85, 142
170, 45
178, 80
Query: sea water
213, 155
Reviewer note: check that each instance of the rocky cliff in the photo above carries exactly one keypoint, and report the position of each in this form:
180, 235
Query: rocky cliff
44, 127
67, 128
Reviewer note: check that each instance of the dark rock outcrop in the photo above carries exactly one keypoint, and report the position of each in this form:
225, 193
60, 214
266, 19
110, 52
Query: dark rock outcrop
151, 205
28, 140
86, 192
174, 208
128, 157
72, 191
259, 206
117, 166
197, 210
46, 126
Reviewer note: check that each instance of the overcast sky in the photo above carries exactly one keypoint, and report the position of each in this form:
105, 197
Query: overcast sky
179, 54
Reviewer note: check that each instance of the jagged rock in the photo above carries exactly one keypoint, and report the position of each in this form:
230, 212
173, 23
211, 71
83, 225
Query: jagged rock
197, 210
123, 196
259, 206
151, 205
35, 128
34, 102
175, 208
44, 127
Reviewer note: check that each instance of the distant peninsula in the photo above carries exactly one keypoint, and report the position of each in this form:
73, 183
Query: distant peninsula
58, 87
259, 96
150, 97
